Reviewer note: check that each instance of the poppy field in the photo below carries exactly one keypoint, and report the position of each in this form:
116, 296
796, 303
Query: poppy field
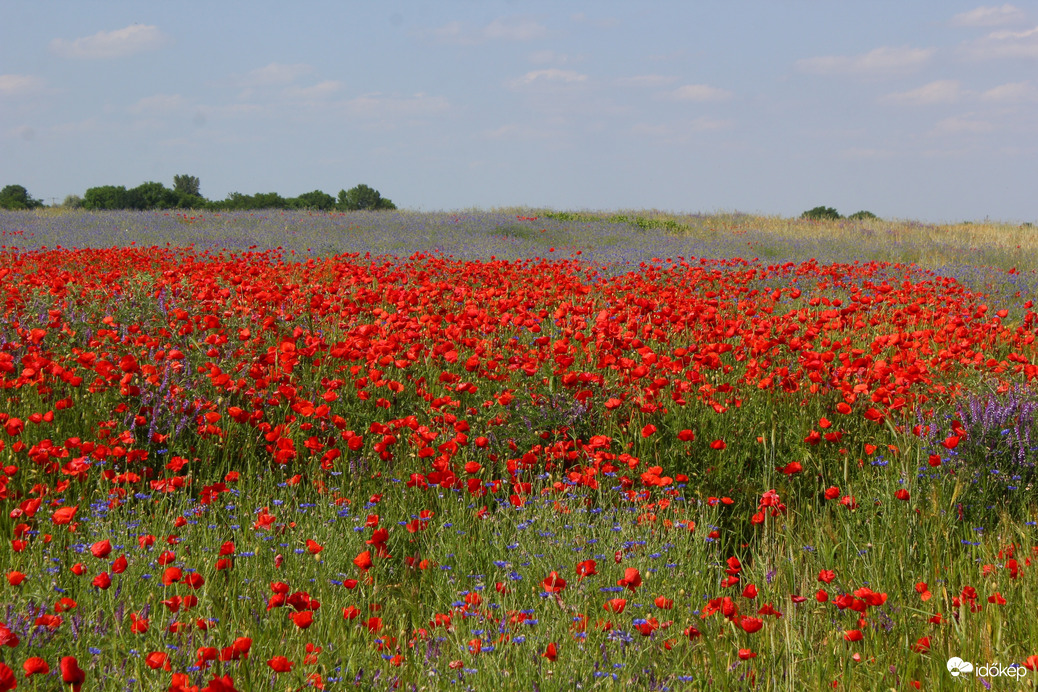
252, 461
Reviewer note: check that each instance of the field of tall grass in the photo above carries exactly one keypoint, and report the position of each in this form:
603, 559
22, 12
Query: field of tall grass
516, 449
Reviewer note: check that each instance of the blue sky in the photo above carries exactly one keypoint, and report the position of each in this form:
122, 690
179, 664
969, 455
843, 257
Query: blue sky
923, 110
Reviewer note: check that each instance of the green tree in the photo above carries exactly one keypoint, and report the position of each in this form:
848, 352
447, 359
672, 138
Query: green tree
105, 197
186, 185
862, 215
72, 202
362, 197
321, 201
821, 214
269, 200
17, 197
151, 195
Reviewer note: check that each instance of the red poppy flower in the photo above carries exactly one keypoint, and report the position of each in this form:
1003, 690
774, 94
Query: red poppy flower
632, 579
101, 549
363, 561
280, 664
553, 583
586, 568
34, 666
551, 652
853, 635
71, 673
7, 678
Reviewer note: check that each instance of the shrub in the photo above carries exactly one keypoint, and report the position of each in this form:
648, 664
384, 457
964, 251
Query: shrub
821, 214
862, 215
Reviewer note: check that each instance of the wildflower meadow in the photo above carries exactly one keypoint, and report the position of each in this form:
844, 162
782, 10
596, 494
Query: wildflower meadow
515, 450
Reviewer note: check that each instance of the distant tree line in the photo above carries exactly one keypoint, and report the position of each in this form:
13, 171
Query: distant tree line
186, 194
830, 214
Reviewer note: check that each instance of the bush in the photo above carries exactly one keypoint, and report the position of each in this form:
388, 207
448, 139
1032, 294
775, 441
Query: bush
362, 197
17, 197
862, 215
821, 214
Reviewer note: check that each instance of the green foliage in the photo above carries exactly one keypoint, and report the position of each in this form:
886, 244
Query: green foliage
363, 197
821, 214
106, 197
151, 195
17, 197
187, 185
317, 200
236, 201
72, 202
862, 215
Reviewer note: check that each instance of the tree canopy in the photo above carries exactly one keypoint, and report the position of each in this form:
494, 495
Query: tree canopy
363, 197
17, 197
185, 195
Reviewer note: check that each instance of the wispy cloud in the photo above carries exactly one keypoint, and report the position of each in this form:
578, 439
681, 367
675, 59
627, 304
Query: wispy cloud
681, 132
958, 125
941, 91
885, 60
503, 29
1013, 92
1005, 44
383, 106
551, 74
597, 22
274, 74
646, 80
989, 16
134, 39
20, 85
321, 90
696, 92
548, 56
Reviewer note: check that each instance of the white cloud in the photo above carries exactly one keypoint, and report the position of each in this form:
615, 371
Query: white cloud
1013, 92
646, 80
551, 74
159, 103
387, 107
20, 85
680, 132
516, 131
989, 16
543, 57
881, 61
317, 91
941, 91
961, 125
120, 43
697, 92
274, 74
513, 30
598, 23
504, 29
1005, 44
